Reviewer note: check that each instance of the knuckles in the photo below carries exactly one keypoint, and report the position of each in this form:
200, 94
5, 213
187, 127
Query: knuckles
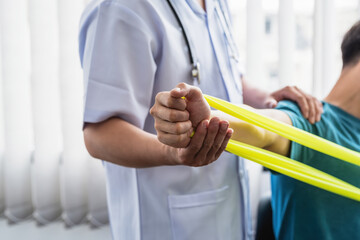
182, 140
176, 116
170, 102
157, 126
152, 110
158, 97
173, 116
290, 88
180, 127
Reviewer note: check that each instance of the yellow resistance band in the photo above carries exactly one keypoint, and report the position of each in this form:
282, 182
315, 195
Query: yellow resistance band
283, 164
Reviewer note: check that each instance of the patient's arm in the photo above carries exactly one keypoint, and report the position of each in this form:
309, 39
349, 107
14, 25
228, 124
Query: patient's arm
257, 136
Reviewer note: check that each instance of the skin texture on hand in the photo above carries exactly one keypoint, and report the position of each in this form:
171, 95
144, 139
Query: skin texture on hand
311, 107
181, 111
207, 144
195, 102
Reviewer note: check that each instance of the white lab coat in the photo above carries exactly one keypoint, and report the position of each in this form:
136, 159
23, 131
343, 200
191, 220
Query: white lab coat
131, 50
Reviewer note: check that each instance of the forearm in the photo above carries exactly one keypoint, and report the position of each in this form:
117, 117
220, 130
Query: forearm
256, 136
254, 96
246, 132
122, 143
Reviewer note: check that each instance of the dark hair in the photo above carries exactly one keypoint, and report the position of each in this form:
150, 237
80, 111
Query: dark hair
350, 46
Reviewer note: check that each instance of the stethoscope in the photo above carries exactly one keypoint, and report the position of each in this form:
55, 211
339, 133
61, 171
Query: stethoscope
224, 21
195, 64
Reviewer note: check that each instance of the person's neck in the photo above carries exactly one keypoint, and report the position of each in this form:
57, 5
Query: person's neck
202, 4
346, 92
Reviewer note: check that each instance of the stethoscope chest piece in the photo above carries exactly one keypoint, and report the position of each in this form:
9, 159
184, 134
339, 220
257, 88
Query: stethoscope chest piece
195, 71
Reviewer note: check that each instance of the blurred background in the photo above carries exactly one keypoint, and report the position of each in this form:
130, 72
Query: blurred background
49, 186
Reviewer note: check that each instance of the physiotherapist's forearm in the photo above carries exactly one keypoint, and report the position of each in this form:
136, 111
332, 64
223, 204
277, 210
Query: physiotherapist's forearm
122, 143
254, 96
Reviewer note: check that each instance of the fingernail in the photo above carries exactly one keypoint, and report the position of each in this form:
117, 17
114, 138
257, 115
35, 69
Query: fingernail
224, 126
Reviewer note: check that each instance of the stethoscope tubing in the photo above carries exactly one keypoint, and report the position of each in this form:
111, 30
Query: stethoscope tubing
176, 15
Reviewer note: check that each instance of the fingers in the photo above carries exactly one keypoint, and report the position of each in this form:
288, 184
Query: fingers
175, 134
169, 114
222, 148
175, 116
169, 108
191, 93
175, 140
312, 111
294, 94
219, 143
315, 107
173, 128
178, 92
319, 110
271, 103
310, 107
208, 143
167, 99
188, 156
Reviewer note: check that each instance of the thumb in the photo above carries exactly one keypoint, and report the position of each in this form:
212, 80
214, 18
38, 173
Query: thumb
271, 103
194, 94
191, 93
178, 92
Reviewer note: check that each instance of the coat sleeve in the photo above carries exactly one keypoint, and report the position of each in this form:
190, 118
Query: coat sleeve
116, 50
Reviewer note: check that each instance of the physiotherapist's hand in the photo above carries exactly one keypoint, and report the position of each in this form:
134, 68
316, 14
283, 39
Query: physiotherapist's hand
179, 110
311, 108
171, 120
207, 144
196, 104
175, 120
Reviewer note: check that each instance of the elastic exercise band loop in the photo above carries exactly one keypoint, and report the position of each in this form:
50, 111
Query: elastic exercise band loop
283, 164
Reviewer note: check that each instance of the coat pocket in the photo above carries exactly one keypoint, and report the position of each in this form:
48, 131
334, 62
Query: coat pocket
195, 216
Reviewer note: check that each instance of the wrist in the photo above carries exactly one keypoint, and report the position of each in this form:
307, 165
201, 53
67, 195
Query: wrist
257, 98
170, 156
263, 99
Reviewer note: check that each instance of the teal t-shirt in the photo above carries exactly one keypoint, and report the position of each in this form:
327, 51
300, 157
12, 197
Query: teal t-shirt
301, 211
